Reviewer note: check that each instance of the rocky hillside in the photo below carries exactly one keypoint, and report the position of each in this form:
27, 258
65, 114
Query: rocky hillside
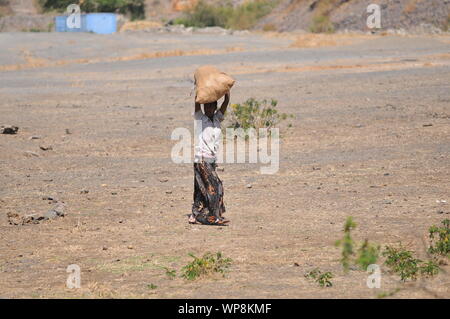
292, 15
351, 14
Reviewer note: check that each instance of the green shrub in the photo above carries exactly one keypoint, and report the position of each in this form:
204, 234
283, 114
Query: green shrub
225, 15
402, 262
208, 264
430, 268
440, 239
255, 114
367, 254
205, 15
134, 8
347, 243
323, 279
248, 14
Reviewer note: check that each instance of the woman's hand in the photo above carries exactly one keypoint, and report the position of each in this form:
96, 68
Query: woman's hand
223, 107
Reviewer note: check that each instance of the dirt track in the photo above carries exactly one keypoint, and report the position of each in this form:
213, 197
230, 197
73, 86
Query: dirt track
361, 145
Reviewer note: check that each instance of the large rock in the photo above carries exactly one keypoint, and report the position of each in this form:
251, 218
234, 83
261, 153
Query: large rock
8, 129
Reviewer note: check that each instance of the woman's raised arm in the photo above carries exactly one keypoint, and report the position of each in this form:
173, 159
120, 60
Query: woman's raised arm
223, 107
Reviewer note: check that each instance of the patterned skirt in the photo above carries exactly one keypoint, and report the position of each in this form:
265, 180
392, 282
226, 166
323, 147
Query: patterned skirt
208, 204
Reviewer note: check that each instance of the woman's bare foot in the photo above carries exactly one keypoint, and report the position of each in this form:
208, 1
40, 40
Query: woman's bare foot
192, 219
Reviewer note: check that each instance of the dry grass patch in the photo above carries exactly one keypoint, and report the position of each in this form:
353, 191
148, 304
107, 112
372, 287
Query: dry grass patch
140, 25
312, 40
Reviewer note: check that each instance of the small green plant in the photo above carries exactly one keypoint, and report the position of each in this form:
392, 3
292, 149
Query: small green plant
388, 293
367, 254
35, 30
206, 265
171, 273
429, 269
255, 114
347, 243
152, 286
323, 279
402, 262
440, 239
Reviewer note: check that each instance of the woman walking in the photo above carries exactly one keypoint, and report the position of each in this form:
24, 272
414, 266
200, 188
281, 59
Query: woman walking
208, 206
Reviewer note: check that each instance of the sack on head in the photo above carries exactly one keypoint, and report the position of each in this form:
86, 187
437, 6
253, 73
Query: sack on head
211, 84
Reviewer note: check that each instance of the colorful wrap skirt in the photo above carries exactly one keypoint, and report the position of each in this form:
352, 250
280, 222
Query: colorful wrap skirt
208, 204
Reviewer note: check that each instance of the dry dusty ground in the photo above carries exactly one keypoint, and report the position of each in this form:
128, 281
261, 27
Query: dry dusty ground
370, 139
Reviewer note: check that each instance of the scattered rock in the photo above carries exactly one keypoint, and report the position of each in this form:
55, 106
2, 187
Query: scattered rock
249, 185
31, 154
68, 131
8, 129
57, 211
84, 191
163, 180
16, 219
51, 214
46, 147
427, 125
35, 137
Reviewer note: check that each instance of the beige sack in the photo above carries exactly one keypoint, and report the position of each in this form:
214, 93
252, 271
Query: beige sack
211, 84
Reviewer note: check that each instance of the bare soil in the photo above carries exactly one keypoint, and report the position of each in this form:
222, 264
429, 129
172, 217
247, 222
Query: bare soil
370, 139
